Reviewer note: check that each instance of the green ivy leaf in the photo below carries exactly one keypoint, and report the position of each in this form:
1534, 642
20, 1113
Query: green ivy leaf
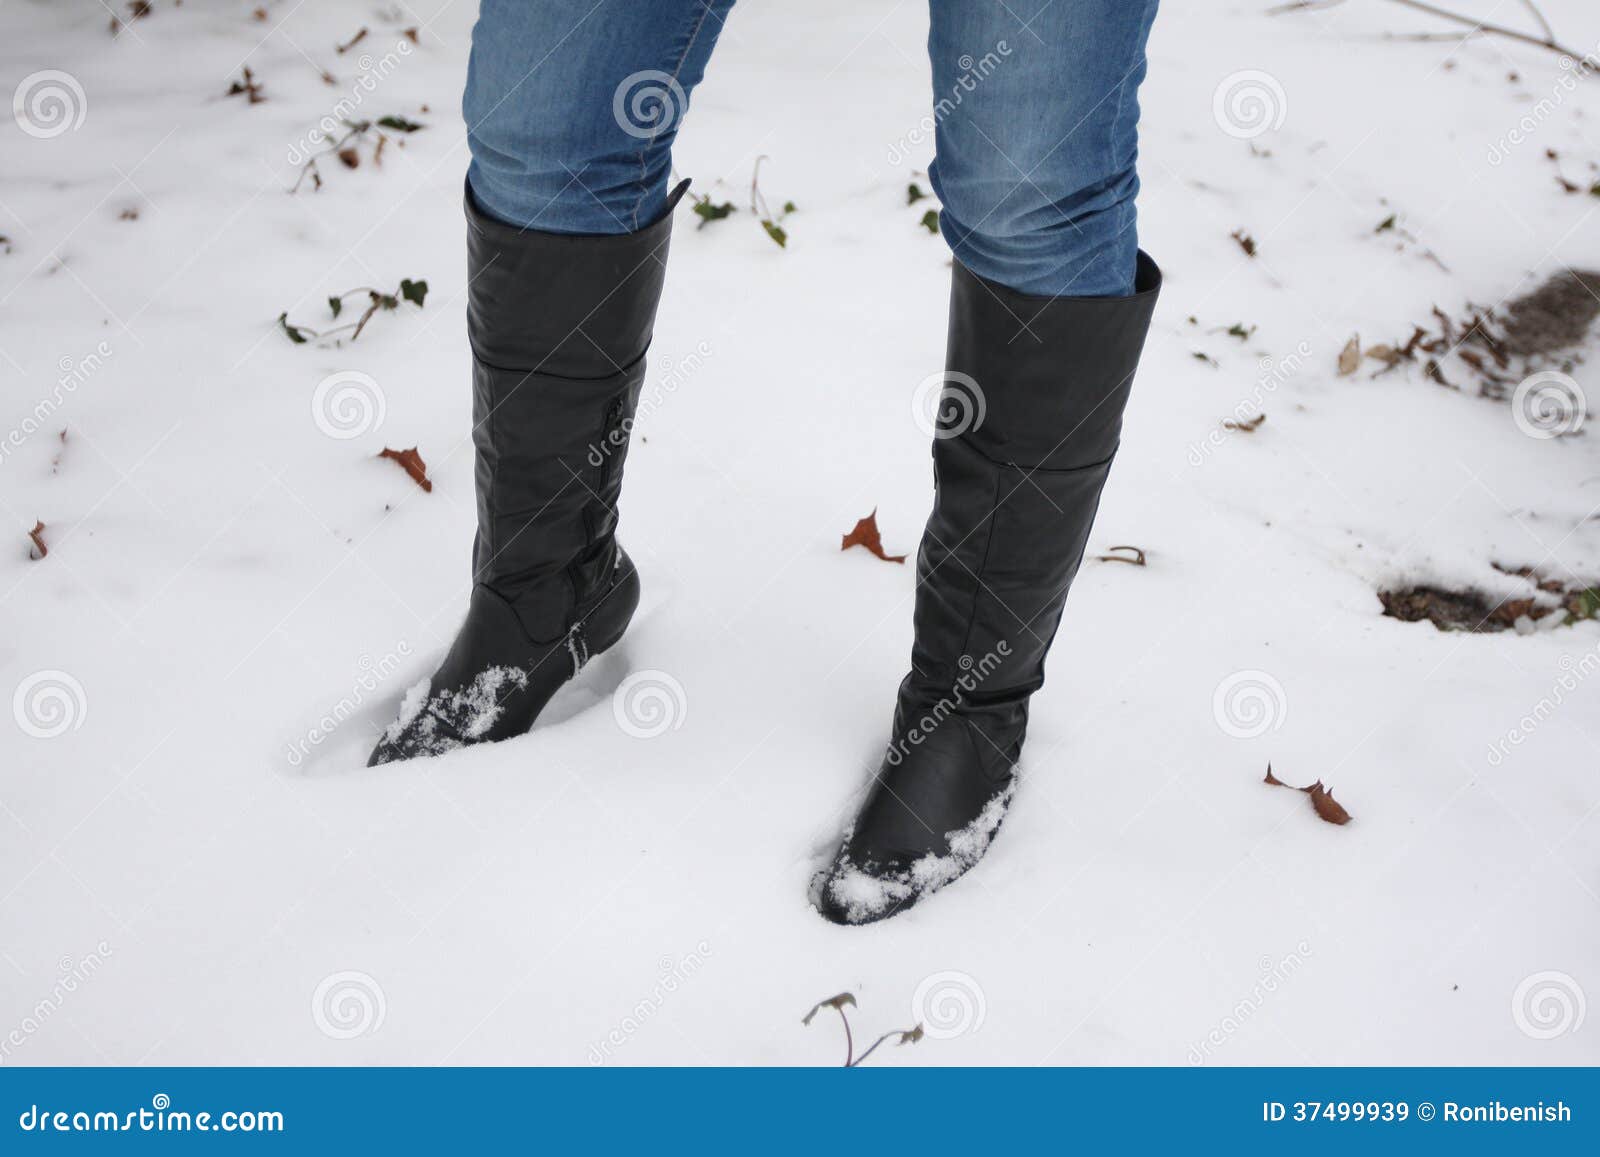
335, 304
914, 193
399, 124
296, 334
707, 212
413, 291
775, 231
930, 220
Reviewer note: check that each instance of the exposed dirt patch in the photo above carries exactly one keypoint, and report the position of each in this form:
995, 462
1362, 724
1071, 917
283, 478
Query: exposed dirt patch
1554, 317
1473, 610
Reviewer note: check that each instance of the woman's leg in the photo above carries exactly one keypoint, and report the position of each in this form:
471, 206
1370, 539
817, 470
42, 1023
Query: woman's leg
1049, 305
1037, 108
572, 108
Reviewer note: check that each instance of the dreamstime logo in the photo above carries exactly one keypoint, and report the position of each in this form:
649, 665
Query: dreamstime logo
1248, 704
348, 1004
49, 103
1548, 1004
668, 384
648, 103
1274, 975
371, 677
75, 972
1574, 670
49, 703
1548, 405
1274, 373
1572, 72
339, 119
649, 703
74, 372
1248, 104
948, 404
973, 673
674, 973
348, 404
973, 73
948, 1005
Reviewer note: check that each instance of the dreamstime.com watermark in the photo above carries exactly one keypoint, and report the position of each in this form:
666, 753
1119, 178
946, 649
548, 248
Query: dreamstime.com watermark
74, 974
947, 404
649, 402
1549, 404
1274, 975
973, 674
1248, 704
973, 73
348, 1004
1574, 670
336, 122
1547, 1005
1249, 103
649, 703
1573, 72
74, 372
1274, 372
648, 103
48, 704
348, 404
371, 676
160, 1117
49, 103
674, 973
948, 1004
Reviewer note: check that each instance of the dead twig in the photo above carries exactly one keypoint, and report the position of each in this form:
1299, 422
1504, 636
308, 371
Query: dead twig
1136, 559
1545, 38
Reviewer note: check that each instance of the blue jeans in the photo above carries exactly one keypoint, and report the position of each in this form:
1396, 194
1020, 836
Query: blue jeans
572, 108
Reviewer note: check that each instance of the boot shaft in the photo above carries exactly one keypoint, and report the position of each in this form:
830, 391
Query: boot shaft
559, 326
1035, 392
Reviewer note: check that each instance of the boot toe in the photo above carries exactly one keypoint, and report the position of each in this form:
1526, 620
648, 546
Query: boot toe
853, 895
929, 819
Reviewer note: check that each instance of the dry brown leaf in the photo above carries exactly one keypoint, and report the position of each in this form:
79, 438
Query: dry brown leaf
1322, 801
1327, 807
1244, 427
836, 1003
39, 549
411, 462
1350, 356
865, 533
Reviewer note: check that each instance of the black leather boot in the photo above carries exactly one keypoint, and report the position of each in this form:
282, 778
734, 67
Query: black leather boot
1029, 422
559, 325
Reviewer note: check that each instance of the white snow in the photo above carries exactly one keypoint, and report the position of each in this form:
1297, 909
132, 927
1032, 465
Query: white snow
225, 562
456, 713
411, 706
867, 890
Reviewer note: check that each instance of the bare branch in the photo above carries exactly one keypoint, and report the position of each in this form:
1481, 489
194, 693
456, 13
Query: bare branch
1545, 38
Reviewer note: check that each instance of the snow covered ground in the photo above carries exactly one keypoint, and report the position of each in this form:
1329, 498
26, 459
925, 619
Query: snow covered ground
194, 869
